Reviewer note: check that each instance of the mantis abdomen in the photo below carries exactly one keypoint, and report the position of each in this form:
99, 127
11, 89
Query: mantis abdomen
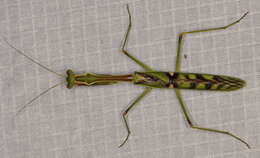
182, 80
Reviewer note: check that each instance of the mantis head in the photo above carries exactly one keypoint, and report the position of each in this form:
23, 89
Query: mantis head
70, 78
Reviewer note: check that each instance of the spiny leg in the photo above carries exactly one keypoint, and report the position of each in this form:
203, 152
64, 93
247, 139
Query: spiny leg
147, 68
131, 106
186, 114
180, 40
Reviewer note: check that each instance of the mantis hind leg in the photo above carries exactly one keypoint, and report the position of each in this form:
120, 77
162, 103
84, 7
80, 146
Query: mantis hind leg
123, 49
180, 39
130, 107
188, 119
177, 91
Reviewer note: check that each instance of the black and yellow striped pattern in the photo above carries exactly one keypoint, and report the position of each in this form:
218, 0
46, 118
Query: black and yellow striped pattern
182, 80
204, 81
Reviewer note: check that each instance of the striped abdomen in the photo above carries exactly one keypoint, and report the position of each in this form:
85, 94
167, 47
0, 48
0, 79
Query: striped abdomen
206, 82
183, 80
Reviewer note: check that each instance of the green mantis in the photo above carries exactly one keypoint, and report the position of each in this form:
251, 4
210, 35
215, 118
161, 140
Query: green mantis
150, 79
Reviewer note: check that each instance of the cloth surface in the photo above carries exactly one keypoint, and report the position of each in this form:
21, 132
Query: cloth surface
86, 36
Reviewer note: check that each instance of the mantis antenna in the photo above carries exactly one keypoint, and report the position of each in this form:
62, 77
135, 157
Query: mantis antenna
35, 98
31, 59
42, 66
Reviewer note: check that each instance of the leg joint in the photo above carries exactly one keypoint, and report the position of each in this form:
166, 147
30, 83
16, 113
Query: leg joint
125, 113
190, 123
182, 34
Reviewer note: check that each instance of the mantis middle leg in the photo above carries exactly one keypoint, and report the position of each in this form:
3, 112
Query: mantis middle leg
130, 107
144, 66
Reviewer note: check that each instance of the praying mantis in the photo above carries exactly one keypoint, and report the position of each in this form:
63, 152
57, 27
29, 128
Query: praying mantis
151, 79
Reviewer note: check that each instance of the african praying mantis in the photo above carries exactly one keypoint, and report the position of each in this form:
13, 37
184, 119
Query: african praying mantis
150, 79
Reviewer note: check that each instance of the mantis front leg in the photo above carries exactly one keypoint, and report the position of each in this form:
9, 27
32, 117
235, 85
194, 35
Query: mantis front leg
130, 107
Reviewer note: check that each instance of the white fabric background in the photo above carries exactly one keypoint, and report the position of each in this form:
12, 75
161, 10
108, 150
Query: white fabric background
85, 35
